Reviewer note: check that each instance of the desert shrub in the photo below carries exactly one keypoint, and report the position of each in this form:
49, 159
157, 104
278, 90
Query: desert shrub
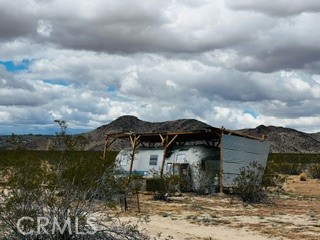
155, 184
290, 163
272, 177
314, 170
290, 168
275, 171
39, 189
204, 177
79, 168
59, 192
163, 187
303, 177
248, 184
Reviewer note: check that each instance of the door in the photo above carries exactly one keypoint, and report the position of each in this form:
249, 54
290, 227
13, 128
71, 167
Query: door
182, 170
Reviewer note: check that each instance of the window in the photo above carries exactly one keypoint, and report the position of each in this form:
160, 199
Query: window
124, 160
153, 160
181, 158
169, 167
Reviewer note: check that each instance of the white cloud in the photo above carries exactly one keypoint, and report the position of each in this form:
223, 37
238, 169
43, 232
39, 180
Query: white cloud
44, 28
278, 8
225, 63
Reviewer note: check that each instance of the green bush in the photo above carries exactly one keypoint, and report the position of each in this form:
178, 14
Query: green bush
303, 177
40, 189
163, 187
155, 184
314, 170
285, 168
290, 163
248, 184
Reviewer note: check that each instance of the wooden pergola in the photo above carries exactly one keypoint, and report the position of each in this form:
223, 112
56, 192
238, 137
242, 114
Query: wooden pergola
210, 136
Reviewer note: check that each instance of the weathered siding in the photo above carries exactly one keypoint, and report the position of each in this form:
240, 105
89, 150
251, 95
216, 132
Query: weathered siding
239, 152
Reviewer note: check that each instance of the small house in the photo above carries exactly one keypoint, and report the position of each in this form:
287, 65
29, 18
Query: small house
207, 159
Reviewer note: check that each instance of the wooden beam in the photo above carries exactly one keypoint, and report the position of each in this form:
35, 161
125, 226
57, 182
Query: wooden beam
107, 145
134, 143
221, 165
165, 152
174, 138
105, 148
163, 140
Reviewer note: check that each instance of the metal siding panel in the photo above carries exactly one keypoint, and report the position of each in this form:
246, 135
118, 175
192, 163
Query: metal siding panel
245, 144
239, 152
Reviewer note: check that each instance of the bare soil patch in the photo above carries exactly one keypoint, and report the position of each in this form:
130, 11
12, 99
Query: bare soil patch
310, 187
294, 214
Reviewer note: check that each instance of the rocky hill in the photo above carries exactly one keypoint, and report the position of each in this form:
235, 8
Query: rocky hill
282, 139
133, 124
287, 139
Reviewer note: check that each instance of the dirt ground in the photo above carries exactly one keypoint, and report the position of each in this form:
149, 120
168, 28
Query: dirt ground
291, 214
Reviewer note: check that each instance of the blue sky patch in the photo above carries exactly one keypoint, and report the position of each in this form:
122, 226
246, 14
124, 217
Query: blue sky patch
251, 112
60, 82
112, 89
12, 66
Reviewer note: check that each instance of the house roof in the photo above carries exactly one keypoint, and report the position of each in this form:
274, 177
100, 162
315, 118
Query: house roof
208, 134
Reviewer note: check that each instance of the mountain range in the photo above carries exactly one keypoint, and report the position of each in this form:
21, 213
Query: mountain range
281, 139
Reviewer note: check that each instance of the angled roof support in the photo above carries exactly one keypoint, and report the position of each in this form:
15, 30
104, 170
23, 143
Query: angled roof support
221, 165
134, 139
107, 144
166, 143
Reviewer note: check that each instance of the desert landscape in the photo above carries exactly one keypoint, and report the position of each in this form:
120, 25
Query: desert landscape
184, 119
291, 210
291, 213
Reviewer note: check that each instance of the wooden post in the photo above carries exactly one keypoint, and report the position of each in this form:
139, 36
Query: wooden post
134, 144
105, 148
221, 165
138, 202
164, 141
165, 151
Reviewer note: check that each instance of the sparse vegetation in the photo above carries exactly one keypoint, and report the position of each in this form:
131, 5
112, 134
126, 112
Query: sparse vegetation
248, 184
204, 174
38, 189
163, 187
291, 163
62, 191
303, 177
280, 165
59, 189
314, 170
193, 207
71, 183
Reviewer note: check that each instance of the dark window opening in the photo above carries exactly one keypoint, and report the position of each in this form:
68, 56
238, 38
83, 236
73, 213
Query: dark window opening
153, 160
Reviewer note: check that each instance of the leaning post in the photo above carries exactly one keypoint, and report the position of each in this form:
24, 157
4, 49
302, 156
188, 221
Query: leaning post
105, 148
167, 144
221, 165
134, 144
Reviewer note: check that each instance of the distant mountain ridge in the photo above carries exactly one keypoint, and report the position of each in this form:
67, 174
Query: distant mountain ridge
282, 139
288, 139
129, 123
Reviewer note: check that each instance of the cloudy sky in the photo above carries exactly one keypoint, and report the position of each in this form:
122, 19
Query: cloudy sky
231, 63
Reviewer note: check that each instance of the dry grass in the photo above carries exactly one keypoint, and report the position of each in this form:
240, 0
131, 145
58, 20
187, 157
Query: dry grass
291, 215
310, 187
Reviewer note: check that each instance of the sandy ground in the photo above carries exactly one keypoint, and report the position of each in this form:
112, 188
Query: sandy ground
294, 214
180, 228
